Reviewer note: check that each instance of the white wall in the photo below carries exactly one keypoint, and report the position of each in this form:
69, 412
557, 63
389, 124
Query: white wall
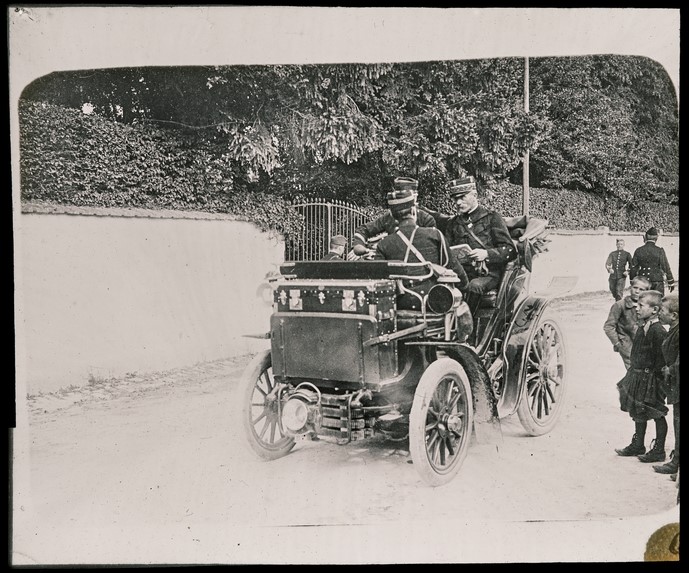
105, 296
584, 254
108, 295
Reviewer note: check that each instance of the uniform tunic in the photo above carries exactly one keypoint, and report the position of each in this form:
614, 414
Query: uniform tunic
641, 390
618, 264
491, 229
386, 223
430, 242
332, 256
650, 261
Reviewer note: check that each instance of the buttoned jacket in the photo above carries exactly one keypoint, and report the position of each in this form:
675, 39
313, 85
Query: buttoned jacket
487, 225
650, 261
619, 262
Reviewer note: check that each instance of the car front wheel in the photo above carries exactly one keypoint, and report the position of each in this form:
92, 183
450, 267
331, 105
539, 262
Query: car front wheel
440, 422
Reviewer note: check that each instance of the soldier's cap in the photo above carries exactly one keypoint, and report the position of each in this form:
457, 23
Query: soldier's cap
338, 241
404, 184
403, 194
652, 232
460, 187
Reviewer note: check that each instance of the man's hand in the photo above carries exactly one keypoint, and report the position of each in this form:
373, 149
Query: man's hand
360, 250
479, 254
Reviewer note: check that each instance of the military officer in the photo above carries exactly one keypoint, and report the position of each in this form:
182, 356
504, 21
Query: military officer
486, 234
387, 223
337, 248
617, 265
650, 261
414, 244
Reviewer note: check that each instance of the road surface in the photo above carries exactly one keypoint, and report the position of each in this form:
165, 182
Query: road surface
148, 469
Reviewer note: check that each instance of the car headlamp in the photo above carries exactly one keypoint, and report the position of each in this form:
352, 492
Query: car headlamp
443, 298
295, 415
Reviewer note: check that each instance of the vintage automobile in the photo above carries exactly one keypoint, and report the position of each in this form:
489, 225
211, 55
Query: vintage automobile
345, 363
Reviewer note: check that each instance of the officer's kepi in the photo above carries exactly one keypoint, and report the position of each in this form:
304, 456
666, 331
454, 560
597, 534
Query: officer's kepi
459, 187
403, 194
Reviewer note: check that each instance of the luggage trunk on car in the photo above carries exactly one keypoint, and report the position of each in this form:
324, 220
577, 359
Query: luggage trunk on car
319, 328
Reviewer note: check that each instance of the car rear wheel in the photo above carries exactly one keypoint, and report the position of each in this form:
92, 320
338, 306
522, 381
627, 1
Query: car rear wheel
440, 422
260, 415
543, 379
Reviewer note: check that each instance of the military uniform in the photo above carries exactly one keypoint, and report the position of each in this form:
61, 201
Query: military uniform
386, 223
336, 242
332, 256
431, 245
490, 228
651, 262
618, 264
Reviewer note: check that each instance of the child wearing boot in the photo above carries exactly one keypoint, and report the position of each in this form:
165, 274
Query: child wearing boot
669, 314
641, 390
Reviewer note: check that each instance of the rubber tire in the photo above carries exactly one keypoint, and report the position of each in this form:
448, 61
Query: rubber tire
258, 365
433, 375
529, 421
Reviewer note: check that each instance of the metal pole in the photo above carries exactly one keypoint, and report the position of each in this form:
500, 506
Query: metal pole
525, 163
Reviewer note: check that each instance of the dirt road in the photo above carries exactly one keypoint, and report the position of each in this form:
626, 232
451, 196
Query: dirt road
147, 469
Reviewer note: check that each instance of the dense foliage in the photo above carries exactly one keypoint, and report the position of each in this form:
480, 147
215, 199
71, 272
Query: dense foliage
225, 138
85, 160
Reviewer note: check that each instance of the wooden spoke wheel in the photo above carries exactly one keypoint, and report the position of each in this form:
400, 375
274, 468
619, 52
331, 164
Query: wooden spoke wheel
260, 414
440, 422
543, 379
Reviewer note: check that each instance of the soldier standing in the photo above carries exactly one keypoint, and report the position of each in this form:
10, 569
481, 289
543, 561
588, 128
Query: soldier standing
485, 232
618, 264
650, 261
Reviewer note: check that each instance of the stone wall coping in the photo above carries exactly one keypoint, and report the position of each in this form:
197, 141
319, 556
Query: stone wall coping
52, 208
58, 209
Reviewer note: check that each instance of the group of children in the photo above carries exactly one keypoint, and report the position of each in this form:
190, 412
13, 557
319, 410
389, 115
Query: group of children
651, 357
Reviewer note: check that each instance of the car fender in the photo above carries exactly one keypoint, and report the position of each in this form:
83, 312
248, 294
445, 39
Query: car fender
518, 335
525, 319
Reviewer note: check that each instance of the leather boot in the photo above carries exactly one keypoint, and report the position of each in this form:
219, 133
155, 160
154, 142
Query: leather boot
655, 454
635, 448
669, 468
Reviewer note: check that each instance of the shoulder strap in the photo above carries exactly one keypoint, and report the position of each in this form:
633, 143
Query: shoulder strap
410, 246
473, 236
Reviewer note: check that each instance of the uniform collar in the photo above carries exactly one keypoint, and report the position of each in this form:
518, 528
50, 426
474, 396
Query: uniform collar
408, 225
475, 214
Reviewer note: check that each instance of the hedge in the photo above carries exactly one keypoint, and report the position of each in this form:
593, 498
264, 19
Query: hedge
71, 158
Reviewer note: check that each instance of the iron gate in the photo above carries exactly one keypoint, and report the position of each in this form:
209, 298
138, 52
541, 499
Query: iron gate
323, 219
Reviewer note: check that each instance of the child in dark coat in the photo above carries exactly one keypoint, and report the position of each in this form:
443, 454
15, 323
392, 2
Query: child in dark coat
642, 390
669, 314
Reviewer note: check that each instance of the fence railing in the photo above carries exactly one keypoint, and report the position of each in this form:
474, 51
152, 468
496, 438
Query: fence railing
323, 219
